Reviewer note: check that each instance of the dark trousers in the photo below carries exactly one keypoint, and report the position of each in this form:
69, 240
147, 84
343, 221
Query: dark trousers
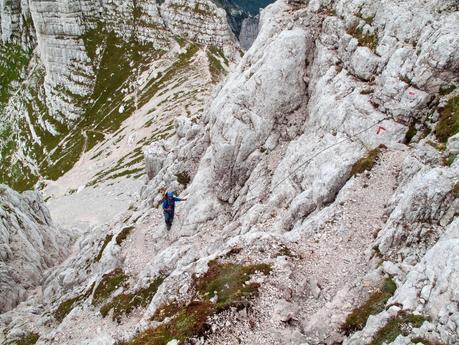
169, 218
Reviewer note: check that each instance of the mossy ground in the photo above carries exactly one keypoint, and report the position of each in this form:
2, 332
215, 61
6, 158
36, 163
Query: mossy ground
448, 123
125, 303
226, 280
399, 325
365, 163
67, 306
455, 190
13, 60
107, 240
365, 39
124, 234
190, 321
28, 339
425, 341
376, 302
110, 283
166, 310
451, 158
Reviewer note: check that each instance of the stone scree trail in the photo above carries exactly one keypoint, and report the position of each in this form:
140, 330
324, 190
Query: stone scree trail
323, 263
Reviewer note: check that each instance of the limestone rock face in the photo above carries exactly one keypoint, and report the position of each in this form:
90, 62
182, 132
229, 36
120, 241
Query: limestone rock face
421, 209
62, 51
249, 32
16, 23
29, 242
199, 20
303, 159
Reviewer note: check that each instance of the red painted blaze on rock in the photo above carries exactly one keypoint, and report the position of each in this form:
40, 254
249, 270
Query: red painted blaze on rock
380, 130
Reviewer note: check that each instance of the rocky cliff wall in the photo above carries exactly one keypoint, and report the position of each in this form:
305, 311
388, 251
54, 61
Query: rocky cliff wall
249, 32
30, 244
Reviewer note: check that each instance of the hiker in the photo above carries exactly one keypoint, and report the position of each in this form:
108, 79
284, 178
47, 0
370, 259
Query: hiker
169, 207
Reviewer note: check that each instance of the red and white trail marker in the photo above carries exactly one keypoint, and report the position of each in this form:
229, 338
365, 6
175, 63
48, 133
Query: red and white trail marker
380, 130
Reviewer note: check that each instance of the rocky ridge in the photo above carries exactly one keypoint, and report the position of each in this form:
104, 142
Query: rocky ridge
323, 156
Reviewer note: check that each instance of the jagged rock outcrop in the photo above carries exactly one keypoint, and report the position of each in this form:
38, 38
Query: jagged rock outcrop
423, 206
198, 20
30, 244
319, 160
429, 289
249, 31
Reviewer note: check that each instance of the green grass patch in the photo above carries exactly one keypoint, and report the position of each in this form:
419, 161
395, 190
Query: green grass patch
285, 251
58, 150
455, 190
410, 134
165, 311
107, 240
28, 339
110, 283
375, 304
217, 51
366, 163
190, 321
154, 86
447, 89
425, 341
124, 234
448, 123
437, 146
365, 39
228, 282
399, 325
215, 67
451, 158
125, 303
181, 41
13, 61
67, 306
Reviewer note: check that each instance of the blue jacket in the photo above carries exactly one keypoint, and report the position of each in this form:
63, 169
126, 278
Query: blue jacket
169, 205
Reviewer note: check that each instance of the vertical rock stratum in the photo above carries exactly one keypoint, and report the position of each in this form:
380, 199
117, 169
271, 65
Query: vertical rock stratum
321, 175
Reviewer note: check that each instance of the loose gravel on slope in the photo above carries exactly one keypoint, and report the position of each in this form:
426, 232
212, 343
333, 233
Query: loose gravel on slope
336, 256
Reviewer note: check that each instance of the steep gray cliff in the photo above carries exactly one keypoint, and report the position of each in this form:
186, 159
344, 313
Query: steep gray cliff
30, 244
249, 32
